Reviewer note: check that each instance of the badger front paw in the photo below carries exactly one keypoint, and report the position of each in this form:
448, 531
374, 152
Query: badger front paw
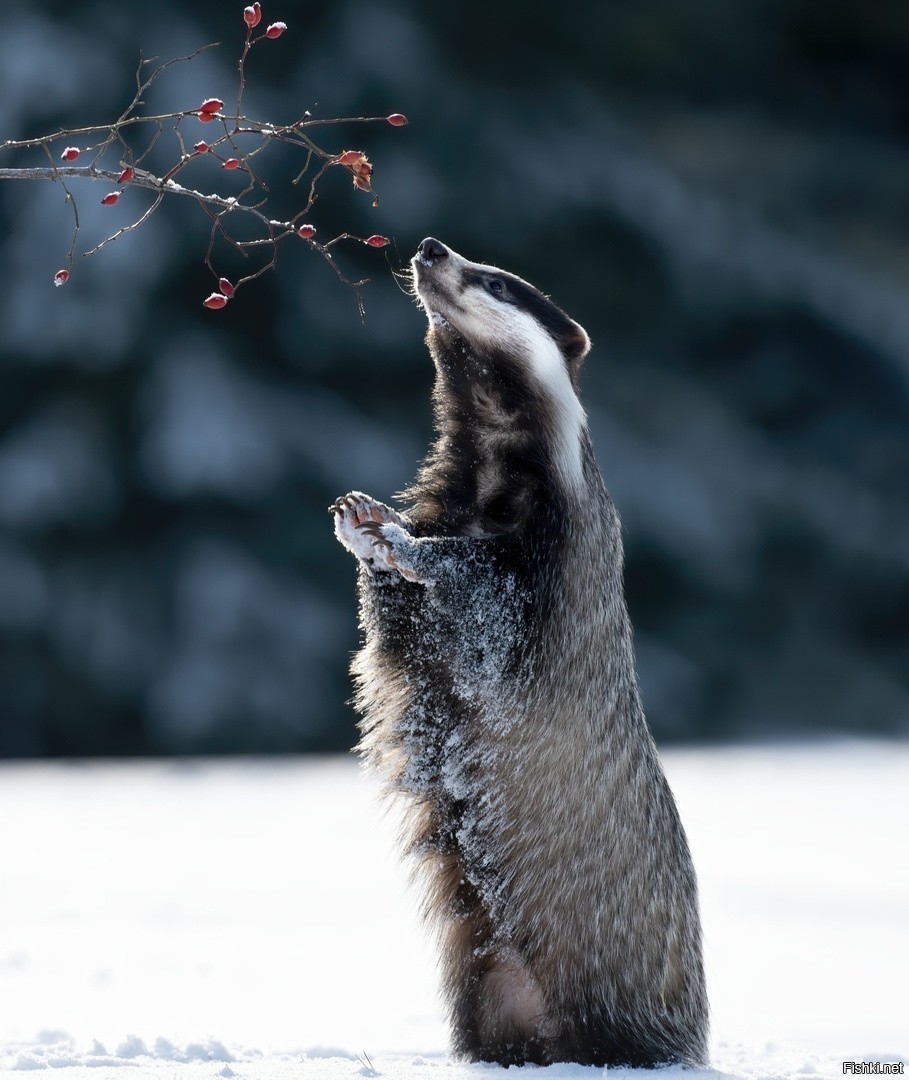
376, 534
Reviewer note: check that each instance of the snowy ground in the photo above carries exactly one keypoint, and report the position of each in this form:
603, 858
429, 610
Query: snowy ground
247, 919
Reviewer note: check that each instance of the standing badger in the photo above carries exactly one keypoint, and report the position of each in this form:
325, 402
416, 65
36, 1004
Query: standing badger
499, 698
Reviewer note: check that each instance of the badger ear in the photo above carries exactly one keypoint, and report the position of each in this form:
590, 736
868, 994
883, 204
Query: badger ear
575, 343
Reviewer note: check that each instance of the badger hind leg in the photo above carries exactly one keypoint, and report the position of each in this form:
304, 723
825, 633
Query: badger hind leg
640, 1037
501, 1014
513, 1019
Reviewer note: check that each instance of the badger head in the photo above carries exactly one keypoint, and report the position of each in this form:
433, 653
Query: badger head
491, 326
491, 307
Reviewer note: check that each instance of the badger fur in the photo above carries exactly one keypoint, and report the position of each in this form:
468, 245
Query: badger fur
499, 699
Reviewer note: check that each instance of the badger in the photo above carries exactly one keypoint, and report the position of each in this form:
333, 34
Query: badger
499, 701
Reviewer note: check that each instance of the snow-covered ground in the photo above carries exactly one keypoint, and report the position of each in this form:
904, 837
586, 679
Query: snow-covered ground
248, 919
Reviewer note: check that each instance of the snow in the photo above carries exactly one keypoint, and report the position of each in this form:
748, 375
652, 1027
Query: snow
249, 919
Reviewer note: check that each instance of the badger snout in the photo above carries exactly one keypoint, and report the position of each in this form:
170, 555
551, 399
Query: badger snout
434, 267
430, 250
437, 279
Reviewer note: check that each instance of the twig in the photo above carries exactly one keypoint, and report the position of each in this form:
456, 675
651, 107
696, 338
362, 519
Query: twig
129, 228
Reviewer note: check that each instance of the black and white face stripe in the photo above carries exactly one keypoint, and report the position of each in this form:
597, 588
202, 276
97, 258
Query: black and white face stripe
572, 341
495, 312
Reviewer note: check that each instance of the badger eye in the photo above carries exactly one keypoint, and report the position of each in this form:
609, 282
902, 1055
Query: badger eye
496, 286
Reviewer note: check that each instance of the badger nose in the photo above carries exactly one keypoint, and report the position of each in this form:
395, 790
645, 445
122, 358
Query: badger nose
432, 249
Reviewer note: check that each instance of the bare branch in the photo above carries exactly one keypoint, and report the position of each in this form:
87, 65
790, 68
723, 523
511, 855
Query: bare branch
72, 203
129, 228
230, 132
141, 87
159, 131
141, 179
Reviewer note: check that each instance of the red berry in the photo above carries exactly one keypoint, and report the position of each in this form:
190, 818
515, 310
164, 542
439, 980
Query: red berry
275, 30
70, 153
126, 175
211, 105
360, 183
230, 163
201, 147
215, 301
397, 119
110, 198
307, 231
61, 277
252, 16
225, 286
350, 157
205, 117
376, 241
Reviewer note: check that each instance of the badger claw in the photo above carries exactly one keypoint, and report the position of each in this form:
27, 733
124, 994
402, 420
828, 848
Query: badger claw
374, 530
375, 533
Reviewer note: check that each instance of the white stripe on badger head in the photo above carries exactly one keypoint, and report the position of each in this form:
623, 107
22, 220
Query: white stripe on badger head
548, 365
503, 326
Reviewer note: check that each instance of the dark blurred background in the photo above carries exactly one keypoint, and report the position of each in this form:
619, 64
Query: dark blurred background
717, 191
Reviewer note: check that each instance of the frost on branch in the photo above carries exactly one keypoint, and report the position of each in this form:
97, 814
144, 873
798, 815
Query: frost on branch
118, 153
